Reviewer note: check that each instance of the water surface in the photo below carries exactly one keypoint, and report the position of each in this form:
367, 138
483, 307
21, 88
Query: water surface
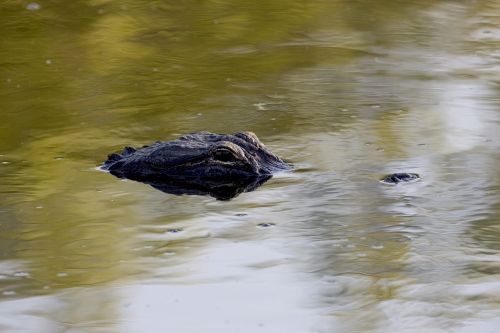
347, 90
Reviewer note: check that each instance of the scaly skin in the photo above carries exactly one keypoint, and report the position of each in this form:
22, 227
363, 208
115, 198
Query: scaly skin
199, 163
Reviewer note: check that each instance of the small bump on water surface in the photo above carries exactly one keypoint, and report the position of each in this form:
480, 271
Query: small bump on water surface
33, 6
174, 230
266, 225
22, 274
396, 178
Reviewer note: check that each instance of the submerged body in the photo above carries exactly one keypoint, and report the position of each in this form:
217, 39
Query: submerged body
221, 165
402, 177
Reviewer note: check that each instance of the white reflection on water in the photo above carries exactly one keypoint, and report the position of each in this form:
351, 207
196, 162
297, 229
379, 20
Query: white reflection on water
464, 120
346, 253
243, 287
32, 314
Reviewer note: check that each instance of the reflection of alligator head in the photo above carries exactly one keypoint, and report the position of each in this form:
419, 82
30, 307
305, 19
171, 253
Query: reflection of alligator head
199, 163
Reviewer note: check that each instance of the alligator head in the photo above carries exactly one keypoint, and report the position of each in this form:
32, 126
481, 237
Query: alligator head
199, 163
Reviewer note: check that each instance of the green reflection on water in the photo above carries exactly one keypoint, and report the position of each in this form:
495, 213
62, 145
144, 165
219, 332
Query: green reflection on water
339, 85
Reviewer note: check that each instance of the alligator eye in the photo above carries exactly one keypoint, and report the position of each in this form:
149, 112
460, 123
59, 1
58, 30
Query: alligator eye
224, 155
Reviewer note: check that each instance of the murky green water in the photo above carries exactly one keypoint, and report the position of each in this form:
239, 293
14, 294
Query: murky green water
347, 90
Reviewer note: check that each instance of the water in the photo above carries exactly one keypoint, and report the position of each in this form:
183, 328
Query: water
348, 91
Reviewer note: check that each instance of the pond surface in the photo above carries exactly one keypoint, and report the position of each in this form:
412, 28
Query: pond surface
347, 90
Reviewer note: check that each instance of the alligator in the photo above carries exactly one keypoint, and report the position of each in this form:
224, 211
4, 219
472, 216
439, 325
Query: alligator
220, 165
